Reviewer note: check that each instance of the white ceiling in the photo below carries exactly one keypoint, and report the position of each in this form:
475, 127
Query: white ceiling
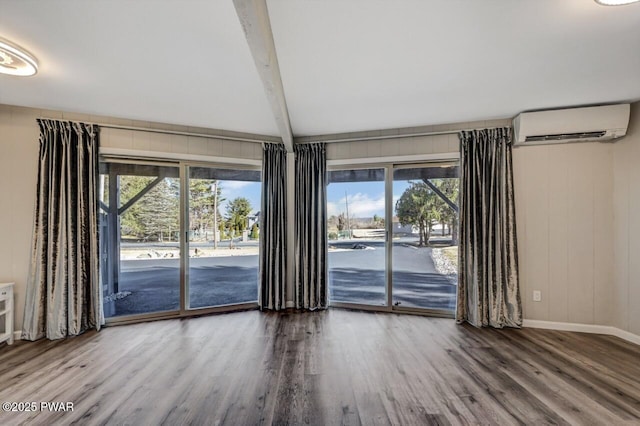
363, 65
346, 65
179, 62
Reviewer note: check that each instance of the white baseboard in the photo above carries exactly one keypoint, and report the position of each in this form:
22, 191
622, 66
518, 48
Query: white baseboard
583, 328
17, 335
625, 335
290, 304
568, 326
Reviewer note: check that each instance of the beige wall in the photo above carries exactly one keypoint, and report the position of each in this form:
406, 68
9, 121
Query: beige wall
579, 230
626, 172
564, 212
393, 147
158, 144
18, 172
400, 146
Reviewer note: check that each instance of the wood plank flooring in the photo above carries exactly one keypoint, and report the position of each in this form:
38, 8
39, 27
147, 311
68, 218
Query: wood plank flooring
324, 368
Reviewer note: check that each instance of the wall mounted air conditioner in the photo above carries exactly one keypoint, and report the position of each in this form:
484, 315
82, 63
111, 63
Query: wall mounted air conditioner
599, 123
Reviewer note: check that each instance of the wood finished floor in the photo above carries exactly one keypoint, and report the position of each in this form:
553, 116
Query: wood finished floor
324, 368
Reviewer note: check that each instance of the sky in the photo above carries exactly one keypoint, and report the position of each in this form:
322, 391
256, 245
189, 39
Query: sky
365, 199
236, 188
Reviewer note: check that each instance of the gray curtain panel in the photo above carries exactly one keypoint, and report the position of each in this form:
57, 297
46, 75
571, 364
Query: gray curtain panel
311, 227
489, 291
273, 227
63, 289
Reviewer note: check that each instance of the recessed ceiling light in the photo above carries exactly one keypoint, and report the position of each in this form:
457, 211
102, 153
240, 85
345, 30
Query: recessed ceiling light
615, 2
14, 60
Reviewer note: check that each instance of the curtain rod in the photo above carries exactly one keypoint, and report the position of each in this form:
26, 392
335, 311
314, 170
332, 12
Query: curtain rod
253, 140
404, 135
170, 132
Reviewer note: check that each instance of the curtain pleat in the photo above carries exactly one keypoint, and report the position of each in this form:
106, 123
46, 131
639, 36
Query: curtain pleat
489, 291
273, 228
63, 295
311, 226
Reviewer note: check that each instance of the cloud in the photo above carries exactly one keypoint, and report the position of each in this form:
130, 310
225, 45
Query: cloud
360, 205
234, 184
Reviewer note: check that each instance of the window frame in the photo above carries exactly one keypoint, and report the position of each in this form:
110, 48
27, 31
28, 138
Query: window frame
184, 311
389, 167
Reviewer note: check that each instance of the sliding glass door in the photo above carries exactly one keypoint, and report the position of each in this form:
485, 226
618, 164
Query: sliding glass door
356, 233
176, 238
139, 238
223, 236
425, 248
393, 237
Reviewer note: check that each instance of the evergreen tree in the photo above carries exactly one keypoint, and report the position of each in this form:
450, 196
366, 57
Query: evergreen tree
237, 211
203, 205
342, 222
255, 232
451, 189
155, 215
378, 222
130, 186
159, 213
417, 207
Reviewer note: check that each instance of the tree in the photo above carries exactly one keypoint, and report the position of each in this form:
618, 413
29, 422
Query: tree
156, 213
448, 216
342, 222
222, 228
203, 202
332, 222
417, 207
160, 215
158, 210
255, 232
130, 223
237, 211
200, 205
378, 222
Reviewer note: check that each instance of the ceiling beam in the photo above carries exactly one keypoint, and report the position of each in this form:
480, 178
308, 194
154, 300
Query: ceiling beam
254, 18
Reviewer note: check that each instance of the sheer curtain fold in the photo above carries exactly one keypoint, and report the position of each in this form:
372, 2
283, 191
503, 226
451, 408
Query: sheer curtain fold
273, 228
489, 290
63, 295
311, 226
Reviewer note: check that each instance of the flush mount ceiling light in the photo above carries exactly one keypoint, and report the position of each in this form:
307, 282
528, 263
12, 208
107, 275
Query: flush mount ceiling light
615, 2
14, 60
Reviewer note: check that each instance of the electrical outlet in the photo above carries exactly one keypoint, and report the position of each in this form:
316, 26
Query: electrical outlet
537, 296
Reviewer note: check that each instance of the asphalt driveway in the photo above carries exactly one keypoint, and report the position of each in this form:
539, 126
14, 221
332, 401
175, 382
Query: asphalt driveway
356, 276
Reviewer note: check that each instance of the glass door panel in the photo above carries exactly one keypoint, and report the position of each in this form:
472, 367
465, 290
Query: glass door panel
223, 234
356, 234
425, 233
139, 238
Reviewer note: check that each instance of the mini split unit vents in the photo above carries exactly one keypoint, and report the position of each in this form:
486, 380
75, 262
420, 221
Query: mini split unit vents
599, 123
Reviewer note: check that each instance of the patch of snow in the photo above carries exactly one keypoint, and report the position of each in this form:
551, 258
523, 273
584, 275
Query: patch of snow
444, 266
116, 296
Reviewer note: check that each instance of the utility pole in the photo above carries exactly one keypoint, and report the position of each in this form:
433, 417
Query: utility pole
214, 188
346, 202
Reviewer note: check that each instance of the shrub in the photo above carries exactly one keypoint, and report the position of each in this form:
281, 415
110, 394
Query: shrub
255, 232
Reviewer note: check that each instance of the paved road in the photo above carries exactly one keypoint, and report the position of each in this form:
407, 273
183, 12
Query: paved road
356, 276
175, 245
155, 283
